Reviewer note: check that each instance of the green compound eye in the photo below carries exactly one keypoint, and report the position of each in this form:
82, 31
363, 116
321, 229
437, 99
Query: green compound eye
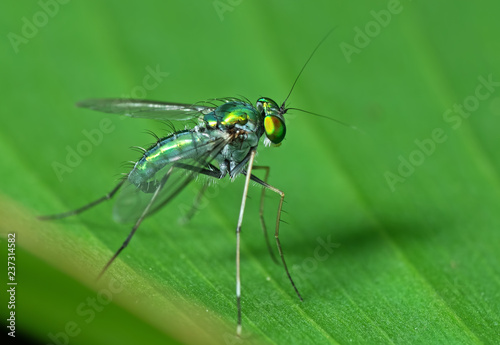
275, 129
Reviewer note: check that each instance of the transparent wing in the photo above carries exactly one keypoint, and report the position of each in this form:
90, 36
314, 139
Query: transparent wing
146, 109
171, 180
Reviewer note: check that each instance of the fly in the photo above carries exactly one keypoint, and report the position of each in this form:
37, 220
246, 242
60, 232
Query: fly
223, 143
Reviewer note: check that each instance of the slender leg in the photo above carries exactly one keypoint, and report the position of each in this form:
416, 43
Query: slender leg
86, 207
261, 212
213, 172
277, 231
187, 217
139, 221
278, 243
238, 230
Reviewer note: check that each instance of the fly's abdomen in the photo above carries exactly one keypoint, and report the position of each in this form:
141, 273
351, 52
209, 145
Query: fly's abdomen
176, 147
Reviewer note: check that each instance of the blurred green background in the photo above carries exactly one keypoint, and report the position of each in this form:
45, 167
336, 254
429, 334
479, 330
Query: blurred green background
392, 231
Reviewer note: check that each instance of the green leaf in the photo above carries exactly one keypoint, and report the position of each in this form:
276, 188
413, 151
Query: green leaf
390, 232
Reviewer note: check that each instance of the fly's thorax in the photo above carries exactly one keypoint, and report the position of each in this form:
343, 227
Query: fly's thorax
243, 124
274, 121
237, 115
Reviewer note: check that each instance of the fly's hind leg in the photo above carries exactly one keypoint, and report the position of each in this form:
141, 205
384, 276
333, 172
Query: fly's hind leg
139, 221
86, 207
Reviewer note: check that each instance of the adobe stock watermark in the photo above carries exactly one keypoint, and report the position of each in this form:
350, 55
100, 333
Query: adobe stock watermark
85, 312
151, 80
454, 116
299, 272
364, 36
201, 200
223, 6
322, 252
94, 137
30, 26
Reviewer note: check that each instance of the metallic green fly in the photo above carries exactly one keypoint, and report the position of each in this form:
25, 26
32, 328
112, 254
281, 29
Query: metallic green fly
224, 142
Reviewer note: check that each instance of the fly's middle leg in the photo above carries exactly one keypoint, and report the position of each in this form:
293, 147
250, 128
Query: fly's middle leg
261, 209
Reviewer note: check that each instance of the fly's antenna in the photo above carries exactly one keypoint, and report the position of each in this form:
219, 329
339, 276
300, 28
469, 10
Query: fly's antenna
303, 67
283, 110
328, 118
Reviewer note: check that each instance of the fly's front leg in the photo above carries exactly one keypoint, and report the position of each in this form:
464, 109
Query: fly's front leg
238, 230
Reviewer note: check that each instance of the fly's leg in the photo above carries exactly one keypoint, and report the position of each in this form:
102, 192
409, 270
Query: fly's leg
139, 221
86, 207
261, 211
238, 230
212, 172
194, 207
277, 231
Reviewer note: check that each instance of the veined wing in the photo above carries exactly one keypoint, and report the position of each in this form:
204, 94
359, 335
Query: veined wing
146, 109
170, 179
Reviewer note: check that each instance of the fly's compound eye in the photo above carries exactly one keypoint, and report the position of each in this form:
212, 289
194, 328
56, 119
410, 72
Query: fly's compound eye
275, 129
274, 123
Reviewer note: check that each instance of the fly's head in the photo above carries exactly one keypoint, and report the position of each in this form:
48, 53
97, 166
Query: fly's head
274, 121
